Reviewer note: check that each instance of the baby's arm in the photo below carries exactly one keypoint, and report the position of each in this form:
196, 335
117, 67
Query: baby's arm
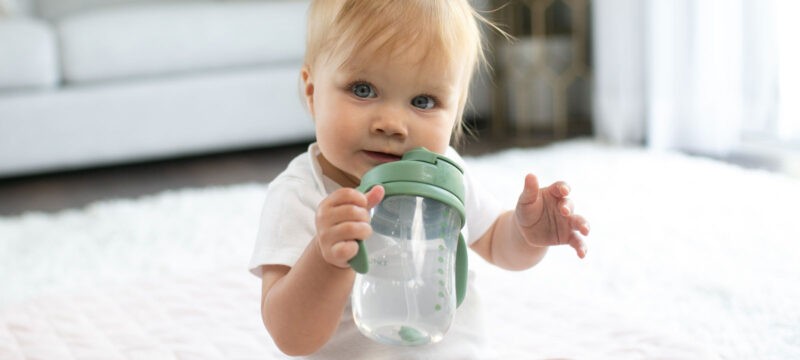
301, 306
543, 217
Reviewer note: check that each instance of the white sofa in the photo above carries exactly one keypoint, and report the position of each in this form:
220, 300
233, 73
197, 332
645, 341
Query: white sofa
96, 82
87, 83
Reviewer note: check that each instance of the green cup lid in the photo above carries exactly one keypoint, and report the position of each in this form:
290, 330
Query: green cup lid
423, 173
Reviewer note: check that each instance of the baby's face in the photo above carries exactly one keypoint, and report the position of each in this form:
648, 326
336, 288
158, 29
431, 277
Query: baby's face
371, 111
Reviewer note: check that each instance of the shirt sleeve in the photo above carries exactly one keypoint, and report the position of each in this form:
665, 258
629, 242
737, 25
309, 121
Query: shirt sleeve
286, 226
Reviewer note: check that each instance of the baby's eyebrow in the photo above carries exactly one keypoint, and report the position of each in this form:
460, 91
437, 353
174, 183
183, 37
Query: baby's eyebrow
351, 68
438, 88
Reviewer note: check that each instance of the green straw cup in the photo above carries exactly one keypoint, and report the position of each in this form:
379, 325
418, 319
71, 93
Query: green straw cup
412, 271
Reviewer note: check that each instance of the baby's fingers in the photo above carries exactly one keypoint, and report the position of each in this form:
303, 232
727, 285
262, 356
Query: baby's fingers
530, 191
338, 242
340, 253
559, 189
349, 230
566, 207
580, 224
346, 213
374, 196
577, 243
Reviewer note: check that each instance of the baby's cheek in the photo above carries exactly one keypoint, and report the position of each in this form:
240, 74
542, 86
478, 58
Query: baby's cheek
437, 145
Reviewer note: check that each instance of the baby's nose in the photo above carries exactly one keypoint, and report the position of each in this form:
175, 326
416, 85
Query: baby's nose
390, 123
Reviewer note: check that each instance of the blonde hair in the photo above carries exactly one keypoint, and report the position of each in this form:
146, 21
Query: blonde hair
448, 29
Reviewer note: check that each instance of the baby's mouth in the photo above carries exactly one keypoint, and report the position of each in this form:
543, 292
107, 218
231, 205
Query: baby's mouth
381, 156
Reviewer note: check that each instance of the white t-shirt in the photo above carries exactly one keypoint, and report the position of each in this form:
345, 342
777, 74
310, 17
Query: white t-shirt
287, 227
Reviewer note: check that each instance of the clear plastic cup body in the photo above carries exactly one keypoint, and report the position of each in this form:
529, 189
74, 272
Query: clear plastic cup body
408, 295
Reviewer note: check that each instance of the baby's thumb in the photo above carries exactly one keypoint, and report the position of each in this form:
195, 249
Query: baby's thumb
531, 190
374, 196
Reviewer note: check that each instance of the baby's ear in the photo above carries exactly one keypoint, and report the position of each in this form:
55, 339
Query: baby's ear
308, 87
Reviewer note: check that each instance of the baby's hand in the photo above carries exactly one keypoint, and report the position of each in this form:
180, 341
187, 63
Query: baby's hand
545, 216
342, 218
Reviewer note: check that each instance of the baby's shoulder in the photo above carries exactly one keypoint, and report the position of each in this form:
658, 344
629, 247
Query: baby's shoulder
298, 172
298, 180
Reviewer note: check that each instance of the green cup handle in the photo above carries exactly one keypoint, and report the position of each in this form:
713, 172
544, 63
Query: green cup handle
462, 270
359, 262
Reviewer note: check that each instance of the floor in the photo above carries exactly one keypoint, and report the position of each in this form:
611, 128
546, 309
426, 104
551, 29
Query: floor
58, 191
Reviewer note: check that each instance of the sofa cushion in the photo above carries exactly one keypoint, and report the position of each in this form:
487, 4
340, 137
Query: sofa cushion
28, 57
158, 38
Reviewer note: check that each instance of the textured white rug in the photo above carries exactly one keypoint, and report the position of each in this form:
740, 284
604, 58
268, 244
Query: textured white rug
688, 258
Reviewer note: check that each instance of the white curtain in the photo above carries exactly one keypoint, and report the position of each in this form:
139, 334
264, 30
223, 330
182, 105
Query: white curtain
683, 74
788, 125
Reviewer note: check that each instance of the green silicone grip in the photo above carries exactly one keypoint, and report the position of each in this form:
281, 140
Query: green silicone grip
359, 262
462, 270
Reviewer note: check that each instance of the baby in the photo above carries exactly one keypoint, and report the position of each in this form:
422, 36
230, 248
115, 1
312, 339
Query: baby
382, 77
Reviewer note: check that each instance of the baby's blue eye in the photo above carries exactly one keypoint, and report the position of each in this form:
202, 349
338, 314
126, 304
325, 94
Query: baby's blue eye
424, 102
363, 90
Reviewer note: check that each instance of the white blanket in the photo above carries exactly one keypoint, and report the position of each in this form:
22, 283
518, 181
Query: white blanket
688, 258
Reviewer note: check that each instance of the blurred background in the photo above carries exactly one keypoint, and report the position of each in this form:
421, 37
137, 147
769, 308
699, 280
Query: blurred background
120, 98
